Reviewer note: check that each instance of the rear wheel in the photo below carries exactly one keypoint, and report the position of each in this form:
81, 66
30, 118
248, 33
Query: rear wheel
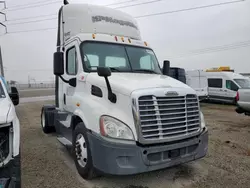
82, 153
45, 123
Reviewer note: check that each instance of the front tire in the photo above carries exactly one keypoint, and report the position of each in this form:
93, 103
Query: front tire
82, 153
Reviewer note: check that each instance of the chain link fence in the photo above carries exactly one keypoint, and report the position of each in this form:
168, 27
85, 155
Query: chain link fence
42, 85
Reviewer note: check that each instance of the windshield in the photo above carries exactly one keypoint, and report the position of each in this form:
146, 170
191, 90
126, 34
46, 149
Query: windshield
243, 83
119, 58
2, 94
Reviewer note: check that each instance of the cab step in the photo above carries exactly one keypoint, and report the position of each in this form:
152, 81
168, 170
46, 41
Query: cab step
64, 141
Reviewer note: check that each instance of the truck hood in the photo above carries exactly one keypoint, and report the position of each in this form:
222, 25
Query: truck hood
126, 83
5, 106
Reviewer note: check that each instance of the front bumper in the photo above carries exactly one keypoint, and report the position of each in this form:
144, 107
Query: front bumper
124, 159
10, 175
239, 110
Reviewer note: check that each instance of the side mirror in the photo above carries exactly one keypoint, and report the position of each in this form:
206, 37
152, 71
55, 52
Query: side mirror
58, 64
166, 67
104, 71
14, 95
72, 82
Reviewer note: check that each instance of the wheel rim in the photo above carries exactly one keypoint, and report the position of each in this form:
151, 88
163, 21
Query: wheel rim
43, 119
81, 150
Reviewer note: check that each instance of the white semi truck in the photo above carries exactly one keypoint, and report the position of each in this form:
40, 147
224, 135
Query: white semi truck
114, 107
10, 168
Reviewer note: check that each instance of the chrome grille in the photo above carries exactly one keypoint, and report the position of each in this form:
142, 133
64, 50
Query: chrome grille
164, 117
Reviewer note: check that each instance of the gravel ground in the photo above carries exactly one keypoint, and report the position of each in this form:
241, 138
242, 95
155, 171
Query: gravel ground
45, 163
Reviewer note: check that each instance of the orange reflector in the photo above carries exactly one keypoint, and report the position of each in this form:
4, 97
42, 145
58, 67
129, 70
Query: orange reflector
78, 104
122, 39
145, 43
116, 38
93, 36
129, 40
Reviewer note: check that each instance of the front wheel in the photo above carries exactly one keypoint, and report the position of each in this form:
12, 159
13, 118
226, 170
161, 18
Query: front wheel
82, 153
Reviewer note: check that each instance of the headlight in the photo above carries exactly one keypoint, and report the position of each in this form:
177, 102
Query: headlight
203, 123
111, 127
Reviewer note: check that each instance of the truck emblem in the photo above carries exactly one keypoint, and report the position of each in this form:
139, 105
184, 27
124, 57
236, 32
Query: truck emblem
171, 93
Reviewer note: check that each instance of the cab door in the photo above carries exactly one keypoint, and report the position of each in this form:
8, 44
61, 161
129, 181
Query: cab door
215, 89
231, 89
71, 57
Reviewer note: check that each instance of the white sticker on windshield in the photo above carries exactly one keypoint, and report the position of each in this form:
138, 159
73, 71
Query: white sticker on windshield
85, 58
150, 52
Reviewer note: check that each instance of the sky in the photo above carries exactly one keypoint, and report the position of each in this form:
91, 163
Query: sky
192, 39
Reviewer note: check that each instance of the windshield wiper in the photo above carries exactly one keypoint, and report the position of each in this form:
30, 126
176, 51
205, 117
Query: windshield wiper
114, 69
145, 70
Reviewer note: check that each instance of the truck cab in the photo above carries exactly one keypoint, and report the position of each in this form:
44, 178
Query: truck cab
9, 139
178, 74
114, 108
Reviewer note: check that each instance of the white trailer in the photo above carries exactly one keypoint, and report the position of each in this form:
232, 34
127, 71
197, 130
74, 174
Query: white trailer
197, 79
114, 108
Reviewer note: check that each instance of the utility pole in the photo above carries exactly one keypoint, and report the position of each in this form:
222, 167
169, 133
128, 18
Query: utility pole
1, 64
1, 58
4, 15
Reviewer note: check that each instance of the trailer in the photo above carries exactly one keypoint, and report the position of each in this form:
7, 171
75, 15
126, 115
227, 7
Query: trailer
115, 110
197, 79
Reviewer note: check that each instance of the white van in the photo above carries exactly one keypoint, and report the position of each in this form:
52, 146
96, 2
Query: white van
197, 80
223, 86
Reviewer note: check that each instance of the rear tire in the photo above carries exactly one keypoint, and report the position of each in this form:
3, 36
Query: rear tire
45, 123
82, 153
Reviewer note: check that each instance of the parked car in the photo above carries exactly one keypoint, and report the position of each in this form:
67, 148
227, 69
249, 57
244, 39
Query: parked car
243, 101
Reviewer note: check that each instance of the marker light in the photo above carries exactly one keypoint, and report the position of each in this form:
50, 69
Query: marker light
145, 43
122, 39
93, 36
129, 40
116, 38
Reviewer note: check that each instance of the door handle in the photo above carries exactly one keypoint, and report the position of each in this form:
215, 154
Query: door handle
64, 98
